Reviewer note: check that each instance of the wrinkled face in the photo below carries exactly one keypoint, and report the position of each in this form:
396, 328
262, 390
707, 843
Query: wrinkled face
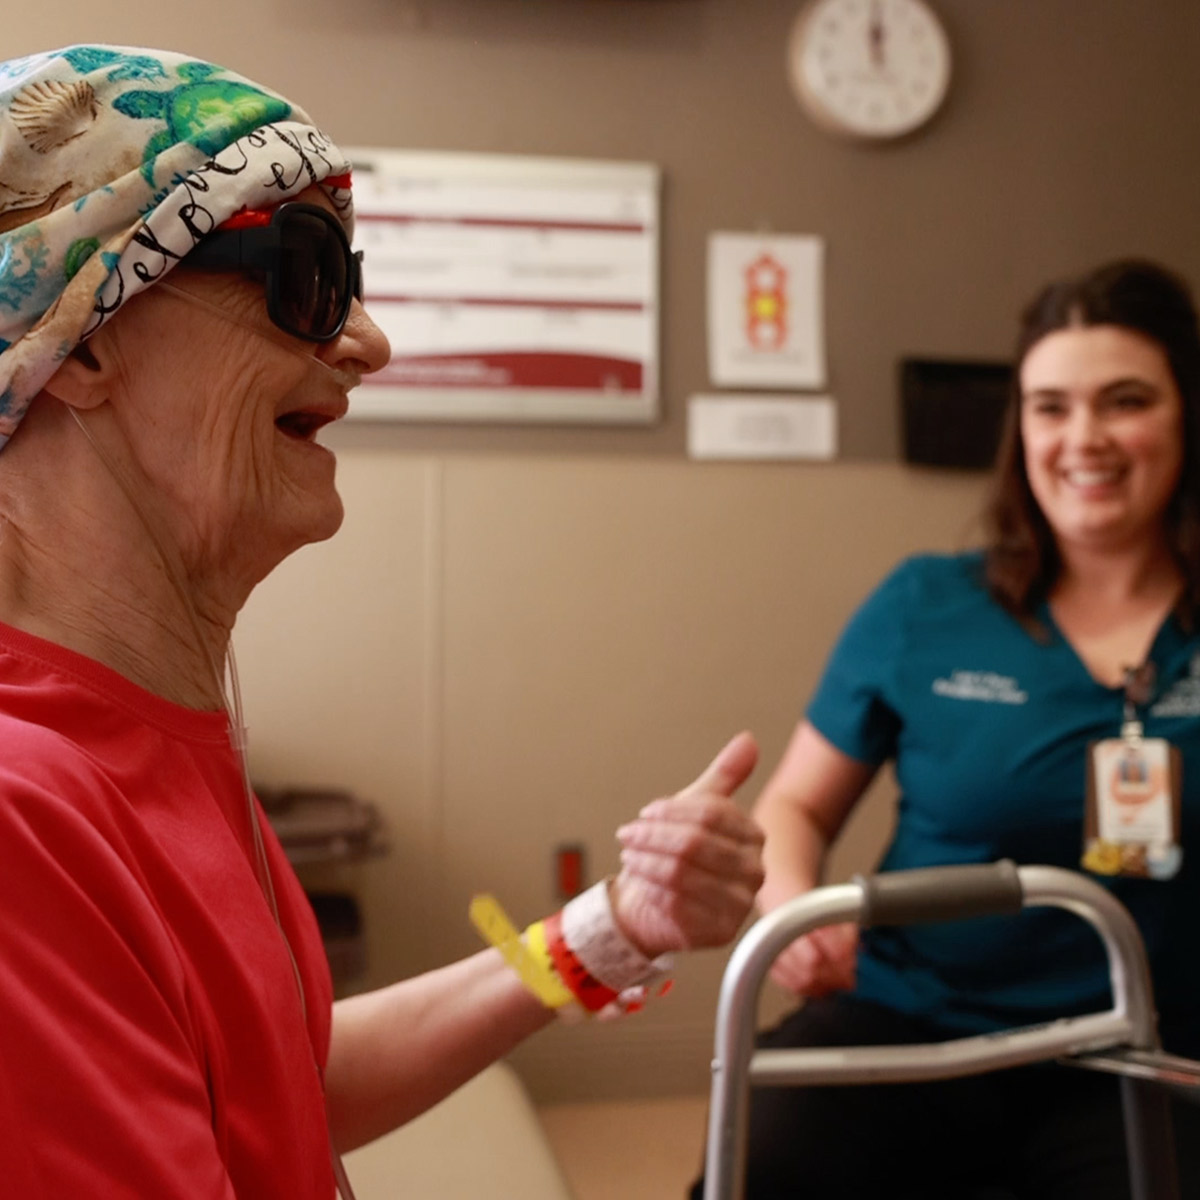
1102, 426
221, 411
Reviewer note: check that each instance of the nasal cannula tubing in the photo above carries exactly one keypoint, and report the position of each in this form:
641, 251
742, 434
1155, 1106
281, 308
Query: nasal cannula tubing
233, 711
344, 379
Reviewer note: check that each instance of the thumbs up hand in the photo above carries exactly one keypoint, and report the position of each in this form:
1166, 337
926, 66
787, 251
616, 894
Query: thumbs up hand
691, 864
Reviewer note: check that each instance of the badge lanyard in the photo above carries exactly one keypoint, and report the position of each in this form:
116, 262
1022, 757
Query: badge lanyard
1131, 818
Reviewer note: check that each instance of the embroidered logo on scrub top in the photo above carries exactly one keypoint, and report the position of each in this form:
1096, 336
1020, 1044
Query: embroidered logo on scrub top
980, 685
1182, 698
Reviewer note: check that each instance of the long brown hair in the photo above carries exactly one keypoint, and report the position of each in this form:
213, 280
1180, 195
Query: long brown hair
1021, 558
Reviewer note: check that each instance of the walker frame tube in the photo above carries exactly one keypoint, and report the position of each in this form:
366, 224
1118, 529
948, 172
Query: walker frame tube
938, 894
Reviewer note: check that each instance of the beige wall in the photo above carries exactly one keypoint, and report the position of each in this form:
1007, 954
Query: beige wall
522, 634
510, 653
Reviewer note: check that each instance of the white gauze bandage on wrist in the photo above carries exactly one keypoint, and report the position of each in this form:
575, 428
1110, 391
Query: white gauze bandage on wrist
590, 929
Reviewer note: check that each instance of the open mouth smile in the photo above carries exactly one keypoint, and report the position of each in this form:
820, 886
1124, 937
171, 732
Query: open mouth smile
303, 426
1092, 477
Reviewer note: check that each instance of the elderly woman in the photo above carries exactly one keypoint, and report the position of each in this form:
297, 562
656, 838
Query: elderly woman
166, 1025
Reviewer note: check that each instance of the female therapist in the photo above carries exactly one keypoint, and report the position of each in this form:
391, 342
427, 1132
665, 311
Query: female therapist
999, 683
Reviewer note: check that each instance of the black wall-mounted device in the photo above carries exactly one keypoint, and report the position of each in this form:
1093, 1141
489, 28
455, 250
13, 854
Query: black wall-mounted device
952, 411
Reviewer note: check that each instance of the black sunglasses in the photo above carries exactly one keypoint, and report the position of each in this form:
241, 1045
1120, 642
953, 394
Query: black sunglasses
310, 272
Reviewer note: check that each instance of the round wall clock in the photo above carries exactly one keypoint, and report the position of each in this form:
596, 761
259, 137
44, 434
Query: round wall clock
869, 68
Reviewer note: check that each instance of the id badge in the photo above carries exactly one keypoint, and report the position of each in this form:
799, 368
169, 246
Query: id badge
1131, 825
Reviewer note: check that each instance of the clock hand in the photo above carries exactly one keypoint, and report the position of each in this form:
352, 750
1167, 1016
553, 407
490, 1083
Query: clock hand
876, 34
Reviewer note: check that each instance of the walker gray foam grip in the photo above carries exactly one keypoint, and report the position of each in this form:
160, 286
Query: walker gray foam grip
933, 894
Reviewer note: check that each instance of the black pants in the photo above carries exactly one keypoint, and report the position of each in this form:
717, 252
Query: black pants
1036, 1133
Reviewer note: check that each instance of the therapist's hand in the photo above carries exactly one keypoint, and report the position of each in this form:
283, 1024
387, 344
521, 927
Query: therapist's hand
691, 863
820, 962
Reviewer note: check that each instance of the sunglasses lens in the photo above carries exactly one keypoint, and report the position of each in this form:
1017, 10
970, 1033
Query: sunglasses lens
314, 285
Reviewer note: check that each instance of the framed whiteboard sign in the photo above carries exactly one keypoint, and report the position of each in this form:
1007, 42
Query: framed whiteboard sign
510, 288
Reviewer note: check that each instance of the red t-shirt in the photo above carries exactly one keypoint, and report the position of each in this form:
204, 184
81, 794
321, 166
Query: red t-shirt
152, 1038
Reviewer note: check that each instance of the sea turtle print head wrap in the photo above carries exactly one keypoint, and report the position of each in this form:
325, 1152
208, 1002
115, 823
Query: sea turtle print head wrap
114, 162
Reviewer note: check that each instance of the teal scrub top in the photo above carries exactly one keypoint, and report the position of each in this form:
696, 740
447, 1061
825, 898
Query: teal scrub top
988, 728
